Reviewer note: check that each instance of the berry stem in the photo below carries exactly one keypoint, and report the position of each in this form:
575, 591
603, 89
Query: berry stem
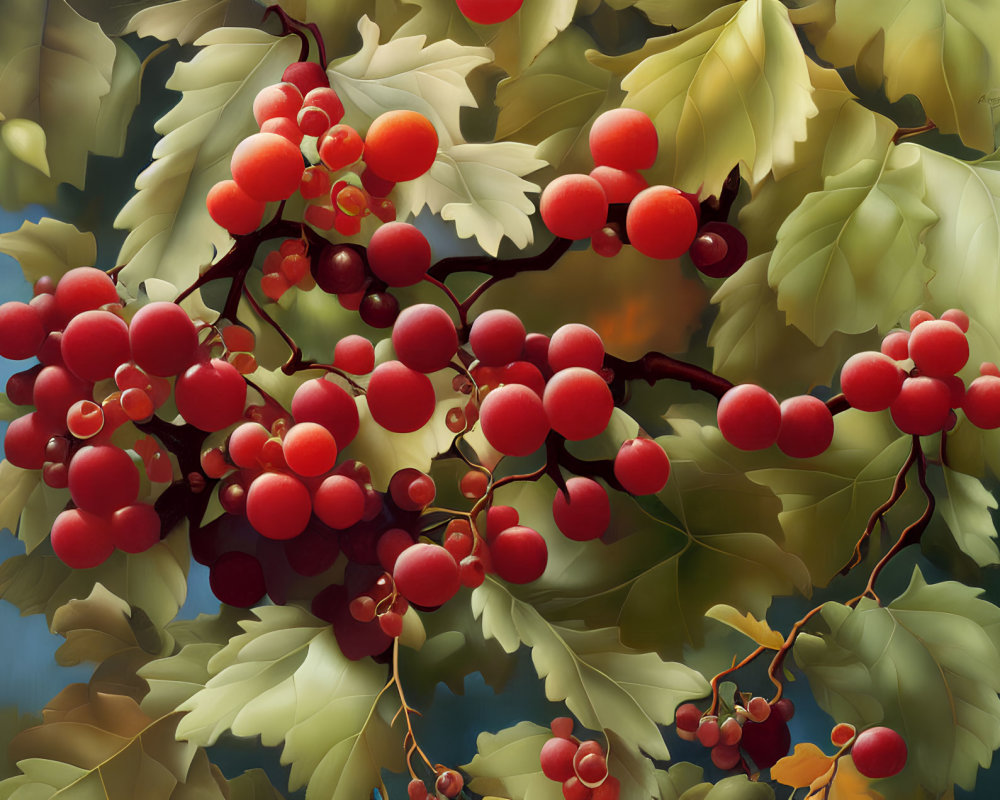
405, 709
779, 657
654, 366
905, 133
714, 707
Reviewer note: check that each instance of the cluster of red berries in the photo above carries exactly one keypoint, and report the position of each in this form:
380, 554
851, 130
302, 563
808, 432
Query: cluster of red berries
581, 767
758, 730
449, 783
661, 221
269, 166
96, 373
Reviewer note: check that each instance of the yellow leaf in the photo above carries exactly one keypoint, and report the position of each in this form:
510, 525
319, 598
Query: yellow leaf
804, 767
845, 783
747, 624
26, 141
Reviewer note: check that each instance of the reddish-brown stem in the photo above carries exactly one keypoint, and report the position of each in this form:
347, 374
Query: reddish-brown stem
654, 367
714, 708
293, 26
904, 133
779, 657
898, 488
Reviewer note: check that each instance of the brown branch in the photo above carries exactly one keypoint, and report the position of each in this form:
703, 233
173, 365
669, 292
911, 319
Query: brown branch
905, 133
654, 366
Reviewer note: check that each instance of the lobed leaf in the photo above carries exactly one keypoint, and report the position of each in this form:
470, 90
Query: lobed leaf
747, 624
932, 654
55, 66
405, 74
675, 13
170, 232
16, 486
286, 680
851, 257
155, 581
606, 685
939, 50
965, 506
49, 247
827, 500
740, 70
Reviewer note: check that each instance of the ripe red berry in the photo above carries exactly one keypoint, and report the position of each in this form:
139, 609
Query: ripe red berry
879, 752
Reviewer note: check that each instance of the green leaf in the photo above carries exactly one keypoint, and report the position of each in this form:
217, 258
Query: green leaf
753, 343
55, 66
118, 105
95, 628
675, 13
842, 134
171, 234
928, 666
404, 74
740, 70
16, 486
155, 581
678, 779
517, 42
49, 247
253, 785
12, 722
939, 50
39, 512
606, 685
553, 102
658, 581
480, 187
181, 20
286, 680
851, 257
966, 509
827, 500
506, 764
25, 139
455, 648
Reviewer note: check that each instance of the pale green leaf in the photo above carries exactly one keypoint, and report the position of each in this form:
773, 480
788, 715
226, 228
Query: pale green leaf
554, 101
183, 20
155, 581
16, 486
118, 105
678, 779
95, 628
605, 684
25, 139
286, 680
740, 70
506, 764
517, 41
12, 722
942, 51
171, 234
49, 247
931, 655
851, 257
177, 678
842, 134
39, 512
55, 66
753, 343
827, 500
966, 509
405, 74
480, 187
338, 22
675, 13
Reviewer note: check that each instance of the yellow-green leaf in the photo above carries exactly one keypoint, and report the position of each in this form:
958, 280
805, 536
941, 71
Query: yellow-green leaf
851, 257
118, 104
932, 654
843, 133
286, 680
604, 683
942, 51
155, 580
183, 20
16, 486
965, 507
39, 512
253, 785
518, 41
25, 139
171, 234
747, 624
740, 70
49, 247
55, 66
753, 343
553, 102
827, 500
676, 13
506, 763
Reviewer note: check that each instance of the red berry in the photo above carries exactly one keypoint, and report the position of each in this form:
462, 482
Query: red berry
879, 752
